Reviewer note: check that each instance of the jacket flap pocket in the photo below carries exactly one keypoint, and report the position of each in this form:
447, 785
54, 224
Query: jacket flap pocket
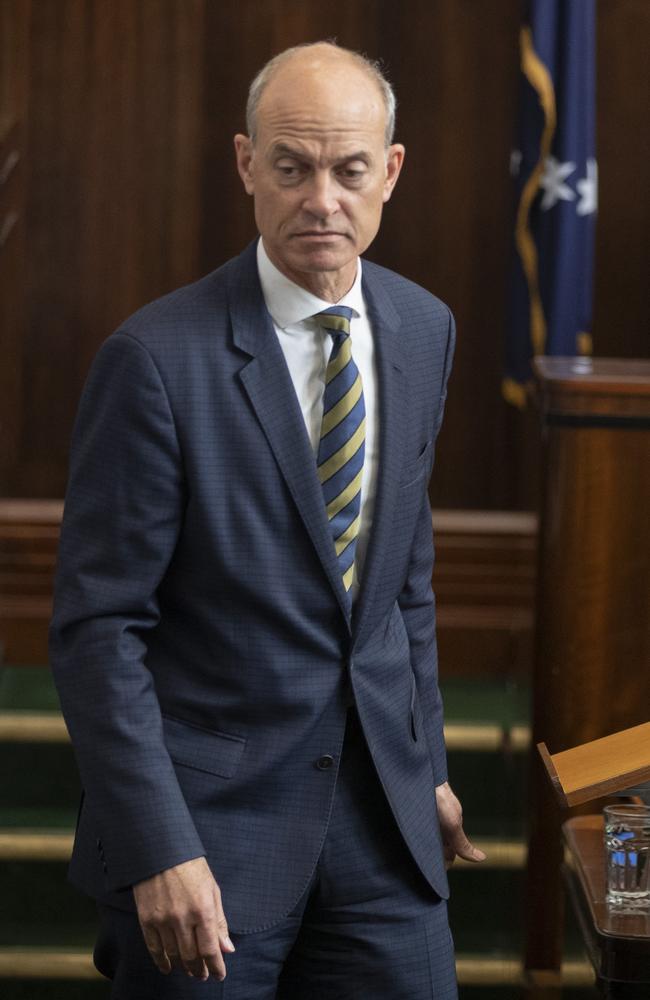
203, 749
412, 472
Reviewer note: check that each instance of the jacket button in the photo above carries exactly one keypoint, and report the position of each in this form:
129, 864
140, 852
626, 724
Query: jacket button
324, 762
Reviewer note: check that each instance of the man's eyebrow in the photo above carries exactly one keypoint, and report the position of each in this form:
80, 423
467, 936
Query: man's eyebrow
362, 155
284, 149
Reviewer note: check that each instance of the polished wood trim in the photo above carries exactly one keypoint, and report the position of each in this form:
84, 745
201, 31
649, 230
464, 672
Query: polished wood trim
49, 727
596, 376
501, 854
33, 727
547, 760
487, 737
520, 737
506, 970
46, 963
35, 845
597, 391
484, 737
485, 522
592, 640
472, 969
484, 580
600, 767
26, 511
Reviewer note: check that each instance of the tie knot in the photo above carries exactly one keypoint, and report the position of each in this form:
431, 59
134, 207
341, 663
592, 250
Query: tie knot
335, 319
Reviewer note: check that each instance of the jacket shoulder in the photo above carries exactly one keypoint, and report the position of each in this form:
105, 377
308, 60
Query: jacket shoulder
406, 293
187, 308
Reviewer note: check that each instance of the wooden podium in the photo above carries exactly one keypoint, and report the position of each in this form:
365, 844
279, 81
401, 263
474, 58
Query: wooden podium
600, 767
592, 647
617, 940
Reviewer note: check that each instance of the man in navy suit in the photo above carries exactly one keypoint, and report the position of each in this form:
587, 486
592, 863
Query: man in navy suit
258, 726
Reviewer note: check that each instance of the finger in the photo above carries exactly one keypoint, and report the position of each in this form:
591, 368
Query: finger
209, 947
217, 932
171, 946
212, 937
462, 846
156, 949
190, 951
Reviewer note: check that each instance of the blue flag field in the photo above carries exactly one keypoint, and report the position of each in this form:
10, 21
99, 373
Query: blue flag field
555, 171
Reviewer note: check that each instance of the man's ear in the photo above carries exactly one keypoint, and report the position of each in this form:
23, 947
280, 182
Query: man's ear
244, 154
394, 160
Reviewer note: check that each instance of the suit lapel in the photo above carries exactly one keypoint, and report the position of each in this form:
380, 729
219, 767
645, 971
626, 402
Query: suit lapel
393, 431
267, 382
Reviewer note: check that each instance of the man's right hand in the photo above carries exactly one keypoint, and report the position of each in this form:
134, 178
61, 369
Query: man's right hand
182, 920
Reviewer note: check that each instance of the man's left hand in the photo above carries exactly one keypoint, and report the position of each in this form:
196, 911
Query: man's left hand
454, 840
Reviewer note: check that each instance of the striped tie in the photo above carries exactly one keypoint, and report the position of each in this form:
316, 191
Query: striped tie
342, 447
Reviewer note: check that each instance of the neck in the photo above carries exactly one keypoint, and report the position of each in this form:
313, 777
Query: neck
330, 286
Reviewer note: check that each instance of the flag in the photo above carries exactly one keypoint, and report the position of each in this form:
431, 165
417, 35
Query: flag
555, 172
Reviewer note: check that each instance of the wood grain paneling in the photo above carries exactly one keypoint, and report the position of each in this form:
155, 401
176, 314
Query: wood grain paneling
592, 647
483, 578
484, 582
622, 304
132, 190
14, 90
29, 537
114, 194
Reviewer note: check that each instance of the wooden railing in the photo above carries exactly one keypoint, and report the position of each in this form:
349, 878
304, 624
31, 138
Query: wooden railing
483, 579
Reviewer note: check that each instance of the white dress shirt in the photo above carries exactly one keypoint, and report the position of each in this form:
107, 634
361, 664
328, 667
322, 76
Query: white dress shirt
306, 347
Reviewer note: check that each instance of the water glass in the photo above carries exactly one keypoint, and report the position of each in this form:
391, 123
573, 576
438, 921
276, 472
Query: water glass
627, 853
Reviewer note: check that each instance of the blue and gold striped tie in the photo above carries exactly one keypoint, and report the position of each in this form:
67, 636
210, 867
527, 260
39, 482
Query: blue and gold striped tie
342, 447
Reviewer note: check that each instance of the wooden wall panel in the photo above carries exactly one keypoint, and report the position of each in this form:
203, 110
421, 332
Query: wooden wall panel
114, 165
622, 304
592, 647
14, 93
483, 578
132, 190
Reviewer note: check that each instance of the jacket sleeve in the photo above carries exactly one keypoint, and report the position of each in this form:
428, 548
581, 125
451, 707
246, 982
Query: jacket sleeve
417, 604
123, 513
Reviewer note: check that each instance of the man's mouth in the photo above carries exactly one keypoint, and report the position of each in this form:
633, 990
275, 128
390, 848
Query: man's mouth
318, 233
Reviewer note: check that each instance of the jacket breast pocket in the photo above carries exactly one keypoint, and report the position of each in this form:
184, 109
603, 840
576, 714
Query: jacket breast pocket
412, 472
202, 749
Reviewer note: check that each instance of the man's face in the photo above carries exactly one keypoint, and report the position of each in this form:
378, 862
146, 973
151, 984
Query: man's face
319, 170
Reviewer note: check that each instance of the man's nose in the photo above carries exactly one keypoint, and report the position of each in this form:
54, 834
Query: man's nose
321, 198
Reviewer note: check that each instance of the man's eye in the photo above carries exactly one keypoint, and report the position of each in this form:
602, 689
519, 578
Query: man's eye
288, 170
352, 173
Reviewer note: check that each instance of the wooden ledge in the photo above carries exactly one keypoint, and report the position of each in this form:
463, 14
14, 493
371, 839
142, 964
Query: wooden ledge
601, 767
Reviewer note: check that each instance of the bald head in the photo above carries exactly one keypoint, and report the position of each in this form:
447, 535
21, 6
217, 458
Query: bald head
316, 60
317, 164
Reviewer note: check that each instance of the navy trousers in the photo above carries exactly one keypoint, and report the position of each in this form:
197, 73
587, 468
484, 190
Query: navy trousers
368, 927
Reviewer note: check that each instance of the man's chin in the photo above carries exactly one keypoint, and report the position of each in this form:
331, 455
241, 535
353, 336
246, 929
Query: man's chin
322, 258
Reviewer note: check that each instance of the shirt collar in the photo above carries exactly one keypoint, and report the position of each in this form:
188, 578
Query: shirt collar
288, 303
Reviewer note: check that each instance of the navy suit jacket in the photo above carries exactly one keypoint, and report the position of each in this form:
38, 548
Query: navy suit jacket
201, 641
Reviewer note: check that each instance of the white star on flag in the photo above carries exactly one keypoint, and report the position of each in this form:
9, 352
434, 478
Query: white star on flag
552, 181
587, 188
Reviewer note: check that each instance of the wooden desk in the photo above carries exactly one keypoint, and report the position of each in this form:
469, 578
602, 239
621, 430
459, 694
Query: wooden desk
618, 943
593, 594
